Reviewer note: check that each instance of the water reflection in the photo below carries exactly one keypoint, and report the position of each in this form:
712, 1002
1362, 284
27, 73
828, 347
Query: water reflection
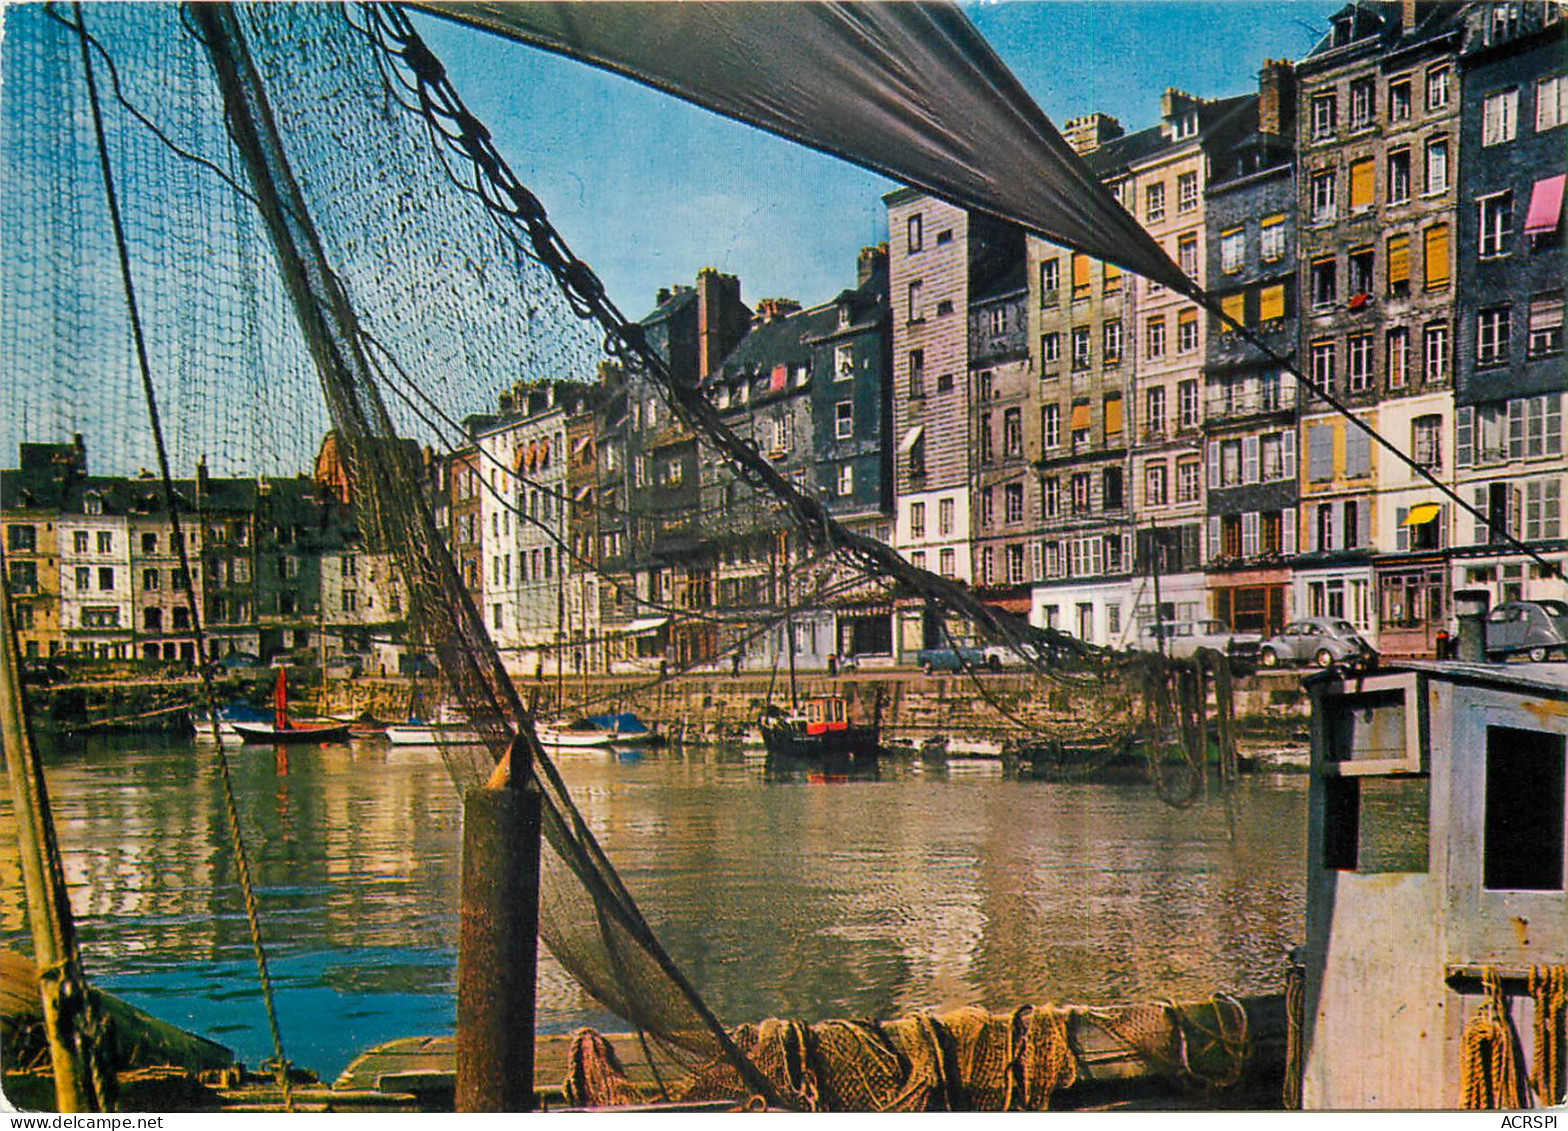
778, 889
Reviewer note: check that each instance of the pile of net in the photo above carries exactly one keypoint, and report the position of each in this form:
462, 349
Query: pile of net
965, 1059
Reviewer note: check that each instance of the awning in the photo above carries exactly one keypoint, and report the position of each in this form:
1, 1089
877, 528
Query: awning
912, 91
583, 492
1546, 205
1080, 418
582, 443
911, 438
1423, 513
639, 627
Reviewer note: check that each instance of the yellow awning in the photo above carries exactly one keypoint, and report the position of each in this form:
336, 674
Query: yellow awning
1423, 513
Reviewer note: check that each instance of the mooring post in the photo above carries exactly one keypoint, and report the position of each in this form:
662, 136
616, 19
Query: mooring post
498, 941
1470, 608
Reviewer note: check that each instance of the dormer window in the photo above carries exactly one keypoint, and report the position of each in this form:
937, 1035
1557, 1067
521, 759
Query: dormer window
94, 503
1184, 125
843, 315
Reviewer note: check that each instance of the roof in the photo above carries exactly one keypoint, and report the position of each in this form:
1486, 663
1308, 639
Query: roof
1005, 284
1136, 148
780, 341
680, 298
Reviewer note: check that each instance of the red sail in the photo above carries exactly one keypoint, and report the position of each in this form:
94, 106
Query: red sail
280, 703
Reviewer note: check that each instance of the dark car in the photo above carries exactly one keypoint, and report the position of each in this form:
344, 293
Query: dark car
1537, 629
237, 660
951, 659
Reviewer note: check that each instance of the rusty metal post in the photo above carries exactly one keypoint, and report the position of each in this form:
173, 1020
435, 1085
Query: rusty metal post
498, 943
1470, 607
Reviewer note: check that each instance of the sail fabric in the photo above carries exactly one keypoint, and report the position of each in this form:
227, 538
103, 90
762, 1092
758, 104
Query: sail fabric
912, 91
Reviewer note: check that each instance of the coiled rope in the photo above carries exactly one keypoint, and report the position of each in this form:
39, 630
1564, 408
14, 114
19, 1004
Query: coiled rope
1489, 1066
1549, 989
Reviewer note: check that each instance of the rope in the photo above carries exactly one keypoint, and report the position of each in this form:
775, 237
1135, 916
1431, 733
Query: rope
1295, 1044
1549, 989
237, 846
1488, 1066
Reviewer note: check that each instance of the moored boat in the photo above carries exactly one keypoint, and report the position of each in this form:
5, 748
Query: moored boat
575, 735
448, 727
282, 731
819, 729
209, 730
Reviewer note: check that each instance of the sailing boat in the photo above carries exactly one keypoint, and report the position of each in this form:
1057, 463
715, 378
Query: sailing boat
283, 731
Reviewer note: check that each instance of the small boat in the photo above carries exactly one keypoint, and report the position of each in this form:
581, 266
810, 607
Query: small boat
449, 726
281, 731
819, 729
238, 711
624, 728
367, 726
581, 734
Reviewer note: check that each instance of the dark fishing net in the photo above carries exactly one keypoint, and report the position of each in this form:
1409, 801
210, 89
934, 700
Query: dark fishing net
323, 239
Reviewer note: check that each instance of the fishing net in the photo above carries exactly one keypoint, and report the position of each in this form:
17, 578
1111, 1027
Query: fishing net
324, 241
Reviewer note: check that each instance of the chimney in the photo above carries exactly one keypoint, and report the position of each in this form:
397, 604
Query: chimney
1407, 16
773, 310
662, 296
1276, 97
722, 319
1088, 133
871, 262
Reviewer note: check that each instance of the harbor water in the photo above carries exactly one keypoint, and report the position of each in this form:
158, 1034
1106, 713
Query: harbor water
780, 894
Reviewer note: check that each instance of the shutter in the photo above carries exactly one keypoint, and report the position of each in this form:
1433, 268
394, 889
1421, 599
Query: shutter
1287, 531
1234, 307
1271, 302
1515, 510
1358, 452
1214, 537
1036, 556
1289, 448
1363, 524
1249, 534
1464, 436
1554, 424
1436, 257
1214, 464
1516, 429
1113, 416
1479, 533
1551, 509
1249, 459
1361, 185
1326, 514
1402, 533
1320, 452
1398, 260
1113, 278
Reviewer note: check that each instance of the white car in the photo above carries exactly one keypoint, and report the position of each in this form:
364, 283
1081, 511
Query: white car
1183, 638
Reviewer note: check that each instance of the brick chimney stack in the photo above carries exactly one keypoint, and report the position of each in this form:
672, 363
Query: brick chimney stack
870, 262
1088, 133
722, 319
1407, 16
1276, 97
773, 309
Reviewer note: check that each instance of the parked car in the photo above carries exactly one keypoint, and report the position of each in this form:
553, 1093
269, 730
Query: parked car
951, 659
234, 661
1315, 640
1184, 638
1536, 629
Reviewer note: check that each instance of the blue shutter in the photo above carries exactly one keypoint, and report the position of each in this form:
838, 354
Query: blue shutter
1464, 437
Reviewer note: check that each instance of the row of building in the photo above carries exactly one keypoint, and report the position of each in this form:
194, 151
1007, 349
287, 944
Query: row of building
1384, 214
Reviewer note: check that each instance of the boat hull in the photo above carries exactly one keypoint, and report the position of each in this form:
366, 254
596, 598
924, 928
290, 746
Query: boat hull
581, 739
415, 735
852, 744
261, 734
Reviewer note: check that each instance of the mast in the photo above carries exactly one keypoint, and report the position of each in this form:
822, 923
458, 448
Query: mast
789, 625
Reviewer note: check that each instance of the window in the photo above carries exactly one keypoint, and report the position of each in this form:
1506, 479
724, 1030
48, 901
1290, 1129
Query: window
1186, 192
105, 542
1397, 350
986, 506
1015, 564
1154, 337
1187, 330
1272, 241
1080, 425
1271, 302
22, 578
944, 306
917, 374
1081, 347
1234, 308
944, 517
21, 538
1361, 268
1324, 108
1323, 364
1154, 405
1435, 256
1112, 416
1187, 254
1051, 348
1324, 196
917, 520
1325, 286
1232, 246
105, 577
1436, 166
1051, 425
984, 431
1112, 279
80, 542
918, 559
1426, 441
1435, 350
1271, 456
843, 362
843, 420
1111, 489
915, 311
1080, 270
916, 233
1543, 506
1398, 264
1491, 336
1013, 502
1361, 100
1082, 485
1050, 496
1154, 484
1187, 399
1437, 88
996, 320
1360, 362
1546, 324
83, 577
1499, 117
1154, 202
1497, 223
149, 579
1111, 343
947, 563
1188, 481
1399, 100
1361, 185
1050, 282
149, 543
1013, 433
1522, 845
1399, 176
1551, 102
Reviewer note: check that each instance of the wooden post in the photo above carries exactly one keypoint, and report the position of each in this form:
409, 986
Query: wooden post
498, 942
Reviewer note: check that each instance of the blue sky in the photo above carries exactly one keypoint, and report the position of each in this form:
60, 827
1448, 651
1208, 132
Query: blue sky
650, 190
